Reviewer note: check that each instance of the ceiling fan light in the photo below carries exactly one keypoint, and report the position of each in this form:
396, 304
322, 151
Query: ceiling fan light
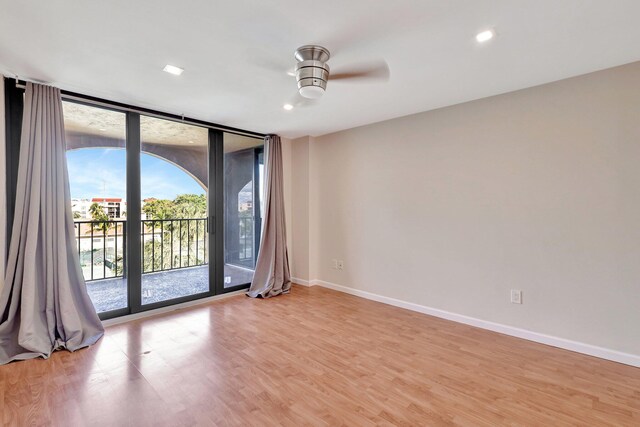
311, 92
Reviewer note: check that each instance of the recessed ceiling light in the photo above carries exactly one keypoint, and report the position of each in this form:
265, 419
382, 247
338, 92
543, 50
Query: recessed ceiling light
172, 69
291, 72
191, 142
103, 130
485, 36
287, 107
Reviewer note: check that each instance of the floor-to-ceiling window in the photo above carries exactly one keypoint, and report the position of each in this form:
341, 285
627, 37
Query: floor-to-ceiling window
175, 259
243, 176
96, 158
149, 201
174, 175
166, 209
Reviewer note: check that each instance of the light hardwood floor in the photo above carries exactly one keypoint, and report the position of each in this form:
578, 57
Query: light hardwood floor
315, 357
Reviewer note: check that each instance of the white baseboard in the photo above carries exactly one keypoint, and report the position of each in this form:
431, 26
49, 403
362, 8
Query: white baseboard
302, 282
154, 312
591, 350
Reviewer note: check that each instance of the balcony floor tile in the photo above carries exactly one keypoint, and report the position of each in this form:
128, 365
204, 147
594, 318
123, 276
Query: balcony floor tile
111, 294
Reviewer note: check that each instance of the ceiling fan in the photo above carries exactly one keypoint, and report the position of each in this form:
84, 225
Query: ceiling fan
312, 71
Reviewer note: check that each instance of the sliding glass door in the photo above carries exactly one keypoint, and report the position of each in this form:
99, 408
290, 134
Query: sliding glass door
174, 182
96, 158
243, 176
165, 211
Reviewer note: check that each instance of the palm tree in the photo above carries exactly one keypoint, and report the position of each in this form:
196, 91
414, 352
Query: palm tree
100, 217
95, 209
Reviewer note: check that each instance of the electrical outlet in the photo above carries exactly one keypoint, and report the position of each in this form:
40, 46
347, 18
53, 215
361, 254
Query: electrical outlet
516, 296
340, 264
335, 264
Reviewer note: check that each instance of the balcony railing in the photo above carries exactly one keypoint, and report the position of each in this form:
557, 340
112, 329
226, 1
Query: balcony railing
101, 247
167, 244
246, 239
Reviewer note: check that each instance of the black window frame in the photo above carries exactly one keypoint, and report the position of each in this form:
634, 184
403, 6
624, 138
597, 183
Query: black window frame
14, 106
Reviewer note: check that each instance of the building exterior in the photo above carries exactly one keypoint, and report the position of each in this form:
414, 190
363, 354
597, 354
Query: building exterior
114, 207
80, 208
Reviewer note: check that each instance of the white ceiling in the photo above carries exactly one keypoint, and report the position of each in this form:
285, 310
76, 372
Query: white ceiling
236, 53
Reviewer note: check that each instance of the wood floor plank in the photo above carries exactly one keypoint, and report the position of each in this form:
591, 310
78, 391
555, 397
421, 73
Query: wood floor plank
315, 357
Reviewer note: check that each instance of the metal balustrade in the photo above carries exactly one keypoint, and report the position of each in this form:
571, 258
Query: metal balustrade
101, 248
246, 239
166, 244
169, 244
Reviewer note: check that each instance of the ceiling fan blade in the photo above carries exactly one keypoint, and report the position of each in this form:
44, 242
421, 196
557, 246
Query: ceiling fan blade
299, 101
302, 102
366, 71
275, 67
258, 58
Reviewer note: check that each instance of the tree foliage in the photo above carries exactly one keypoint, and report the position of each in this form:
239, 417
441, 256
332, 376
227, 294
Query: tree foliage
100, 217
191, 206
182, 207
159, 209
163, 251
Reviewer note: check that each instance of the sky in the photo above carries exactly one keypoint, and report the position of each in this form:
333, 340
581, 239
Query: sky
101, 172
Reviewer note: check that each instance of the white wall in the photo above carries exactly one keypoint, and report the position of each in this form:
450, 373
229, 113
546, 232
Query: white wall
286, 186
300, 210
537, 190
3, 194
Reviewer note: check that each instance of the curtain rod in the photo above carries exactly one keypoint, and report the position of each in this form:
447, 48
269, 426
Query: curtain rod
91, 100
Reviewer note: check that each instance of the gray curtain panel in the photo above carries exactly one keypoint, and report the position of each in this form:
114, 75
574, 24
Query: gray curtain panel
272, 275
44, 305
